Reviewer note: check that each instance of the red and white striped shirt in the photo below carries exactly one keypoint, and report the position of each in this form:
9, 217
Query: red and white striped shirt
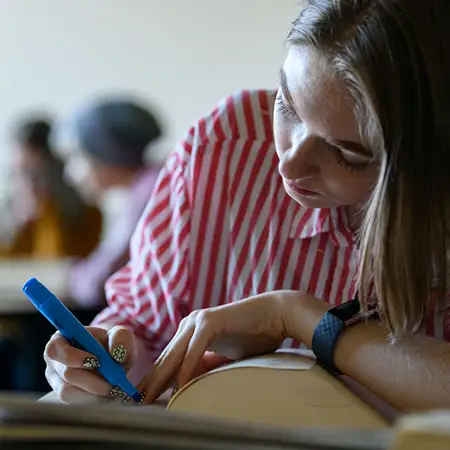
220, 228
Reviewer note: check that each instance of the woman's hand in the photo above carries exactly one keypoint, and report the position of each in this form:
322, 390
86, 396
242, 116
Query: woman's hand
71, 372
246, 328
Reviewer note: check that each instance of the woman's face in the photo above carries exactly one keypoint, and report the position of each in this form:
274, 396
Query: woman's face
323, 161
30, 171
84, 175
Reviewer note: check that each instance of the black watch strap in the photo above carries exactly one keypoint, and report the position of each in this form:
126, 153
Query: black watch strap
328, 330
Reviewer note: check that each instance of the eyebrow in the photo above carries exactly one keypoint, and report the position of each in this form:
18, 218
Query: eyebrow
353, 147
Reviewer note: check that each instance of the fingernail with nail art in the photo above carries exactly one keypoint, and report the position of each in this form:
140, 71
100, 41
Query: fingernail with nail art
175, 390
116, 392
91, 363
128, 400
119, 353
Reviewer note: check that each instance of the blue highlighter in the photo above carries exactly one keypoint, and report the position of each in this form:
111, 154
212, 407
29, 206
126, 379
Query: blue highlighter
77, 335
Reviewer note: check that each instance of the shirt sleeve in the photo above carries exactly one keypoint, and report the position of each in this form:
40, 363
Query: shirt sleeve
150, 295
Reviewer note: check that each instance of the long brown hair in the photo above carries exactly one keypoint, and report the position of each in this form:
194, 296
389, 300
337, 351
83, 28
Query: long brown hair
394, 56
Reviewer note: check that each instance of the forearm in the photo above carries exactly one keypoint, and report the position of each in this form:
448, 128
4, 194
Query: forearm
412, 374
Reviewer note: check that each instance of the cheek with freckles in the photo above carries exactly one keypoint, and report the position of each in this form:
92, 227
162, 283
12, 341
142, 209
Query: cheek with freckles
338, 185
348, 188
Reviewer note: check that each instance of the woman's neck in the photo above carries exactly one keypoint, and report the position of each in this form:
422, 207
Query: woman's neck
354, 217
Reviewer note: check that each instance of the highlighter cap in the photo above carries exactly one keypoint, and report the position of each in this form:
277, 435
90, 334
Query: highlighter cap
36, 292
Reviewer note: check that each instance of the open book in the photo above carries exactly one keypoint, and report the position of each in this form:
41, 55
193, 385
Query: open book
25, 424
30, 425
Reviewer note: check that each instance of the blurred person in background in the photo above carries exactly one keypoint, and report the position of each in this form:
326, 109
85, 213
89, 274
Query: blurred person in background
113, 136
44, 216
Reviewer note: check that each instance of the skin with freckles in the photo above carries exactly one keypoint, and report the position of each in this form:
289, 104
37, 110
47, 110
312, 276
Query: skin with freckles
316, 135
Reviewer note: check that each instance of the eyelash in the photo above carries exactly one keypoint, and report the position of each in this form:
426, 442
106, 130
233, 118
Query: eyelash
283, 109
351, 167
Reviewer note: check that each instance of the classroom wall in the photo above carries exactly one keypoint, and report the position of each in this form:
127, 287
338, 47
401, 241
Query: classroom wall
180, 55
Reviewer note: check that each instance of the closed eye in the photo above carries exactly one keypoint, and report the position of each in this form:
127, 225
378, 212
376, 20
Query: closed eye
351, 166
284, 109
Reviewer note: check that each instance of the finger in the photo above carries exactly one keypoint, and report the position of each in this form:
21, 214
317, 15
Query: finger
82, 379
122, 346
164, 354
73, 395
68, 393
210, 361
183, 324
197, 347
100, 334
164, 370
170, 382
59, 350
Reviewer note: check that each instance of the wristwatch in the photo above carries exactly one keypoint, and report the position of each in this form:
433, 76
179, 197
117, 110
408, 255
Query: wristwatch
330, 327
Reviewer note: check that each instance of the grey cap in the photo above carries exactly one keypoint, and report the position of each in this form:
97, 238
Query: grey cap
116, 132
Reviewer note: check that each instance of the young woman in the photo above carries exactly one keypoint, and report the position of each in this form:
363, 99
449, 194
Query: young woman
348, 193
44, 217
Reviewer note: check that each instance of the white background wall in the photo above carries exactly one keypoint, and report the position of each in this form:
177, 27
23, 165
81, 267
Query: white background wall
181, 55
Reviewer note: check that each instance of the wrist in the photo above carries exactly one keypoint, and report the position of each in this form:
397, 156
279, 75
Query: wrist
301, 314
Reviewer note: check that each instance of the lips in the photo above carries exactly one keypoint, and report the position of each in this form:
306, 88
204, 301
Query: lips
301, 191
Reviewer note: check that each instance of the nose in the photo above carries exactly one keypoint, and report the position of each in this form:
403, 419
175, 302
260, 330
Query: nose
299, 162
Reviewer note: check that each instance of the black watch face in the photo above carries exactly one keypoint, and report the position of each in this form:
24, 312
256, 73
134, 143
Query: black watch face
346, 311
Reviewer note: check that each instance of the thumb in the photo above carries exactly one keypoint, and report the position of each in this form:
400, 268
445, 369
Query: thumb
209, 361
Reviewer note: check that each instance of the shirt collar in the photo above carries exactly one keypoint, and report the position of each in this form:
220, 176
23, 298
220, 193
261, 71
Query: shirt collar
308, 223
